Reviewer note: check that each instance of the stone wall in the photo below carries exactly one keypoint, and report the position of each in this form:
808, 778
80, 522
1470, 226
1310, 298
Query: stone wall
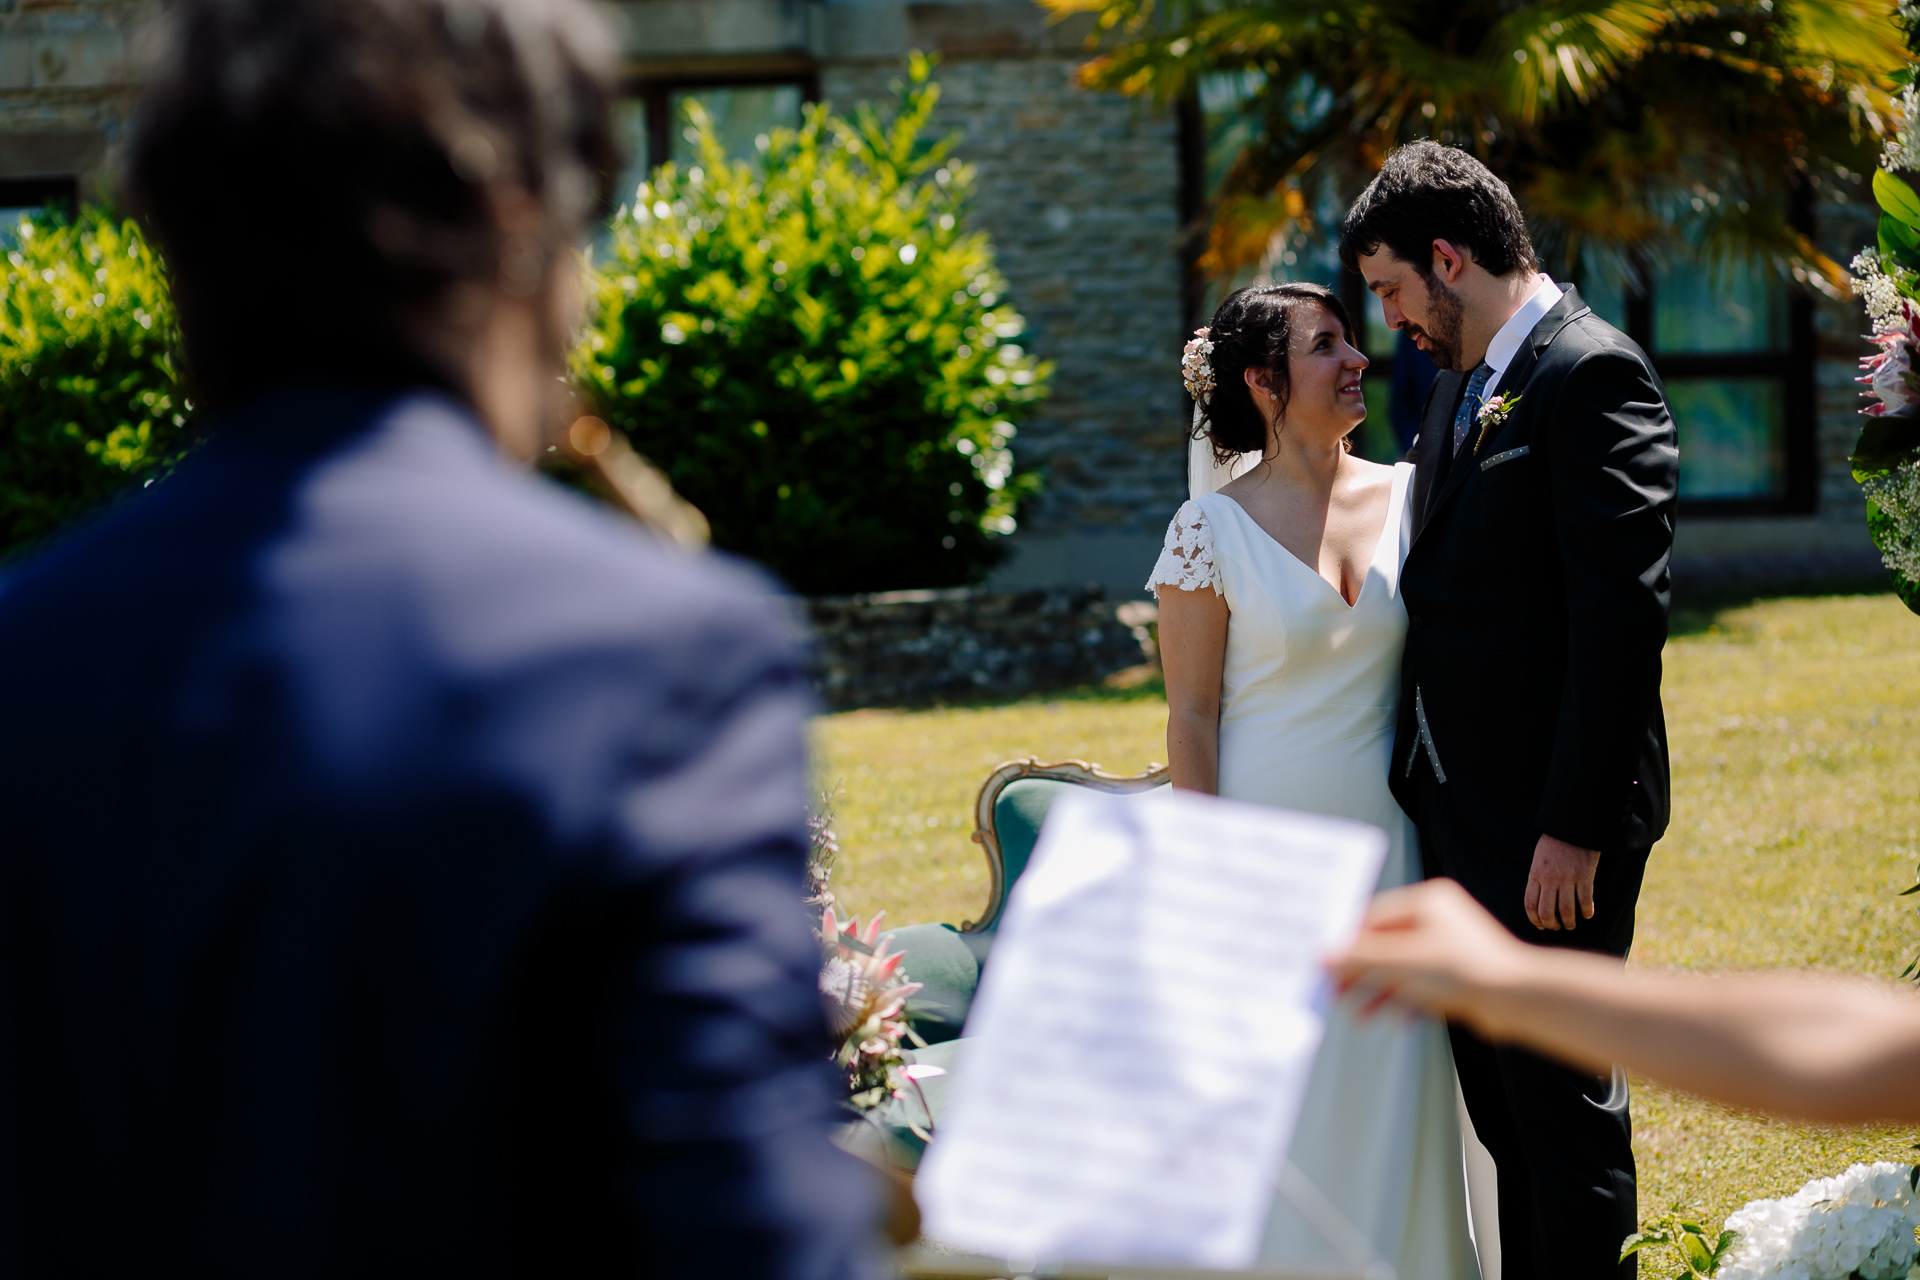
913, 647
1079, 192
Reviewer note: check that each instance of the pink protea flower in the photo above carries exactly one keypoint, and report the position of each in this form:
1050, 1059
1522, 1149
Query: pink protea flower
866, 993
1889, 374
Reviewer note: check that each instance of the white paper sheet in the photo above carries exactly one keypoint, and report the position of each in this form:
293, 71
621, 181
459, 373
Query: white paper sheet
1144, 1032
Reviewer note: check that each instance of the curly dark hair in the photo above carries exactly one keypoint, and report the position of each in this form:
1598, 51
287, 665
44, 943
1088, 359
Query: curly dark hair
1427, 192
1253, 329
313, 169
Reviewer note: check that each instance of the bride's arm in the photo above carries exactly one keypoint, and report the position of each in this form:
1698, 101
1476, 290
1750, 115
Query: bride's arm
1193, 652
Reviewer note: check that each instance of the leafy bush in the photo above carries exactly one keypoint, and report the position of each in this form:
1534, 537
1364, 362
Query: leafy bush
816, 351
89, 400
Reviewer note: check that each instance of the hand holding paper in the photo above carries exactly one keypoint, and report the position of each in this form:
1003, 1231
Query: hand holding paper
1145, 1032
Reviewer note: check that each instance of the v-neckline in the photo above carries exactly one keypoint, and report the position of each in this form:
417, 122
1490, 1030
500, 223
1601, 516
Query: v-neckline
1394, 498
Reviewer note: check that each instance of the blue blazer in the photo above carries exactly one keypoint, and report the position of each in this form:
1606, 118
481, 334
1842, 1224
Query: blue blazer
400, 874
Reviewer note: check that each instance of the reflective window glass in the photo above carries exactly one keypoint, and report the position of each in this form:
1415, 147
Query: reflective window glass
1607, 297
1733, 439
1696, 310
742, 116
630, 132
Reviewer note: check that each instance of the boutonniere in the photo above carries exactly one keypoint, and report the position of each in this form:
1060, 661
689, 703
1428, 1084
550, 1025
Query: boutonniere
1492, 414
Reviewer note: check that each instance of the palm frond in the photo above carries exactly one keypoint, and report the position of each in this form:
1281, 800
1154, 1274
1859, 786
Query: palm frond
1607, 117
1860, 40
1563, 51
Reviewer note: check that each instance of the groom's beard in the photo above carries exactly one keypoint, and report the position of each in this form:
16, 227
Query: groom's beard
1442, 331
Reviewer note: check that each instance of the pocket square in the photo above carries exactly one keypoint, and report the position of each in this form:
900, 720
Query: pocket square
1508, 456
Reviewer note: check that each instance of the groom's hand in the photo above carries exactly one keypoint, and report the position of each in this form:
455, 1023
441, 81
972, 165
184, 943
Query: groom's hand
1560, 883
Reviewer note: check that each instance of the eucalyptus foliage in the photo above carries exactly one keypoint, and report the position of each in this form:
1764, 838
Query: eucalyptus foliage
818, 351
89, 396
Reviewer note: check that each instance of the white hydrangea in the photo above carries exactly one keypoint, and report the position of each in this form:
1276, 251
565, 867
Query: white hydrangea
1897, 494
1860, 1223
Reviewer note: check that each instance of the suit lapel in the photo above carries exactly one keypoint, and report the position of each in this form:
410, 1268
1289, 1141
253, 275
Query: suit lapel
1430, 454
1514, 380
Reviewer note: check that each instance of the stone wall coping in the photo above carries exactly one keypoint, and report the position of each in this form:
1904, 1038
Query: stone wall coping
929, 595
897, 648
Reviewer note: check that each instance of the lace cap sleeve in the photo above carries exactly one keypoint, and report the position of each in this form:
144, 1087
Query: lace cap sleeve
1186, 557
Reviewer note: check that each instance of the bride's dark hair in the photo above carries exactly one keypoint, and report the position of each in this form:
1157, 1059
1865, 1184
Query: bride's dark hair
1253, 329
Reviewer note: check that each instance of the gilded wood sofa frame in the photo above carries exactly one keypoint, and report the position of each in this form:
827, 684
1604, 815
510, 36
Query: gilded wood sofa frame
987, 837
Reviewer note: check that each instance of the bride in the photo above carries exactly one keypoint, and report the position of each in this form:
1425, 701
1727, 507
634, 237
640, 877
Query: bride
1281, 628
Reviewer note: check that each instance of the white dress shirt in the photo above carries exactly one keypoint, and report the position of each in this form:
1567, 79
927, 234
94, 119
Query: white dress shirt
1506, 343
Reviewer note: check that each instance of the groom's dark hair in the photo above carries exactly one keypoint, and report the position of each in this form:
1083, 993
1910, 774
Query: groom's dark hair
1427, 192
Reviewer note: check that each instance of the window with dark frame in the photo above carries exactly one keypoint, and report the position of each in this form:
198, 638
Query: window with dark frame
1734, 347
1735, 350
652, 121
1215, 122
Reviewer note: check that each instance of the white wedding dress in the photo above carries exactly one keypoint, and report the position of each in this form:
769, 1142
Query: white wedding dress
1307, 710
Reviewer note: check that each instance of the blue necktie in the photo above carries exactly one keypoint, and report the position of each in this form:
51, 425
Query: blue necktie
1470, 404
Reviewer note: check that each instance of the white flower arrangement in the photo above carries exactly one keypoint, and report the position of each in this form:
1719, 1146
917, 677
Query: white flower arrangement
1878, 289
1196, 367
1886, 276
1860, 1224
1897, 495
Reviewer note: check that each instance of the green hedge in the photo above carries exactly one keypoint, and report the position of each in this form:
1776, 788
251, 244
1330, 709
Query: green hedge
819, 353
89, 399
814, 349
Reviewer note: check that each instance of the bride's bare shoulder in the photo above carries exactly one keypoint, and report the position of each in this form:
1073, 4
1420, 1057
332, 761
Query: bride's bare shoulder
1369, 475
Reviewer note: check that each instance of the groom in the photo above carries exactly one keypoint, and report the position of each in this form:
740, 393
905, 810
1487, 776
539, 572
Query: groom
1531, 750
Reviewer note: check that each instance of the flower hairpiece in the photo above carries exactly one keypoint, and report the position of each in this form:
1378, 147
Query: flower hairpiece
1195, 366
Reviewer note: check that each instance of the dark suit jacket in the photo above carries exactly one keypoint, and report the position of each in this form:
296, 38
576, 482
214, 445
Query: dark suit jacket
400, 865
1536, 589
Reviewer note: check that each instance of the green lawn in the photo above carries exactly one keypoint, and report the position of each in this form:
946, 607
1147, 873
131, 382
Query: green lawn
1795, 728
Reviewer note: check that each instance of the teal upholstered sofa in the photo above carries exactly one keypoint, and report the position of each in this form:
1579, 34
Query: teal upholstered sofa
1008, 814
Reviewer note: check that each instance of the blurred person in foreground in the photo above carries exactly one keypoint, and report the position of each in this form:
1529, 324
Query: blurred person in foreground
1810, 1046
400, 859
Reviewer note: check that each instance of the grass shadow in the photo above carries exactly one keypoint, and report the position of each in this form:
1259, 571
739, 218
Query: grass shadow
1697, 612
1132, 685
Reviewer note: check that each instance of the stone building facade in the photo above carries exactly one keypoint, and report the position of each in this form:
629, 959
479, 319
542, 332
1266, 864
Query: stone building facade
1084, 196
66, 87
1080, 194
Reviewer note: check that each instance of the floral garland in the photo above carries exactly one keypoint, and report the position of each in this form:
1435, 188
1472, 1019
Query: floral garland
1886, 275
1196, 366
